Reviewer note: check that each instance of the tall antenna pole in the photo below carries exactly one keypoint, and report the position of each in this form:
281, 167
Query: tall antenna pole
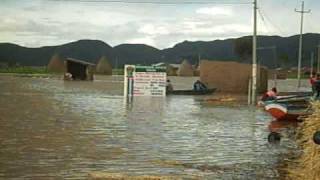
318, 64
275, 56
311, 65
300, 41
254, 54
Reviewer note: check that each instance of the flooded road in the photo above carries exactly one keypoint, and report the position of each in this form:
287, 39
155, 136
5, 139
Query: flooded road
51, 129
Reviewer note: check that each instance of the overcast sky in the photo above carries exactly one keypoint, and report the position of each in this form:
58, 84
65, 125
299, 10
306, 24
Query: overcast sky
35, 23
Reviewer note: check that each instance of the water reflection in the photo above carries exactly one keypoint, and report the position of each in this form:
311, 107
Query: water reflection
278, 126
68, 130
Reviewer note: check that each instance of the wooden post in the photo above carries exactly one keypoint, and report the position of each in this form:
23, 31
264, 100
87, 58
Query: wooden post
254, 55
249, 92
311, 65
318, 64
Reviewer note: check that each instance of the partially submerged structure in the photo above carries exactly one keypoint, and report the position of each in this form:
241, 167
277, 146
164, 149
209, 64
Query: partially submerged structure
231, 76
171, 68
78, 70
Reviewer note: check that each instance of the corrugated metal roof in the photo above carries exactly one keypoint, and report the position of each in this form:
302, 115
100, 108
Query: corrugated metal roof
175, 65
160, 64
79, 61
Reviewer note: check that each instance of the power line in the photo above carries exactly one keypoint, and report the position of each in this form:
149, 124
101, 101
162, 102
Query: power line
310, 23
263, 13
156, 2
264, 22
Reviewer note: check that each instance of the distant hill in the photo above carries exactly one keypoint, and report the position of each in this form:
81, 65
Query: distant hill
136, 54
91, 50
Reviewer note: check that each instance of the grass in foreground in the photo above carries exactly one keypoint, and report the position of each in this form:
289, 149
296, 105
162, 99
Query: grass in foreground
307, 165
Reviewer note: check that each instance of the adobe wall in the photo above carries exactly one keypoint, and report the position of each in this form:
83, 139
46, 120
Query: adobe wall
231, 76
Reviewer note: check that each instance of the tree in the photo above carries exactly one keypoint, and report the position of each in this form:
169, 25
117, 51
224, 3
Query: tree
243, 47
284, 59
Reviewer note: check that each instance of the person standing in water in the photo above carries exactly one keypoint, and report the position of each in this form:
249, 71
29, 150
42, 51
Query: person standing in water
312, 81
270, 95
169, 86
317, 87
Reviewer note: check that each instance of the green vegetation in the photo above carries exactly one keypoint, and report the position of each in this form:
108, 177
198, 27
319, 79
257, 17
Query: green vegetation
117, 72
41, 70
25, 70
293, 75
243, 47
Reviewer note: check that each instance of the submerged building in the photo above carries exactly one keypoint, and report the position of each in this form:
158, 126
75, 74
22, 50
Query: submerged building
78, 69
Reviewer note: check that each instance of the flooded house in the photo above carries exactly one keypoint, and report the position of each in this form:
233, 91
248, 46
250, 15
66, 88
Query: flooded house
171, 68
76, 69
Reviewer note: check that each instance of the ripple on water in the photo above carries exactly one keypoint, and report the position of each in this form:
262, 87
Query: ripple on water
79, 128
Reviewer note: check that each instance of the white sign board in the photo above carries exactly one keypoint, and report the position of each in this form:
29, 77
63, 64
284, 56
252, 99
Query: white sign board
144, 80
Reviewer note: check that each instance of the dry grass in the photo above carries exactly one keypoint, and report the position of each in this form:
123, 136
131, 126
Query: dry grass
307, 165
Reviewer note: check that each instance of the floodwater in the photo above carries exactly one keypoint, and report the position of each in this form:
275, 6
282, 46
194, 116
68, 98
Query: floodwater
51, 129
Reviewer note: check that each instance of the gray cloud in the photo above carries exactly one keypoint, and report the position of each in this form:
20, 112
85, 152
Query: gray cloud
40, 22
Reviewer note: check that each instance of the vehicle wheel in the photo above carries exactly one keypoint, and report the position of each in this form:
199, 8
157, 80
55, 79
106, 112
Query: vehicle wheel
274, 137
316, 137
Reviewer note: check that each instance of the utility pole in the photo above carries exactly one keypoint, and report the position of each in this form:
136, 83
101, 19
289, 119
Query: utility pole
300, 41
311, 67
275, 61
254, 55
199, 59
318, 64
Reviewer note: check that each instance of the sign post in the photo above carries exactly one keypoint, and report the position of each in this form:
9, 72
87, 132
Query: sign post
144, 80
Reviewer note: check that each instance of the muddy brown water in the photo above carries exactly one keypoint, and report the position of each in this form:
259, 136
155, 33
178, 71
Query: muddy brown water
51, 129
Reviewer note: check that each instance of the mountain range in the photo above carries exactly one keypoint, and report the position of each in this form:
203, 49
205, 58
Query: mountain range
273, 51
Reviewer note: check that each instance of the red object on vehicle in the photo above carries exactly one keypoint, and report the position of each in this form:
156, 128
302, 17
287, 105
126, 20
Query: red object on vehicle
280, 112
